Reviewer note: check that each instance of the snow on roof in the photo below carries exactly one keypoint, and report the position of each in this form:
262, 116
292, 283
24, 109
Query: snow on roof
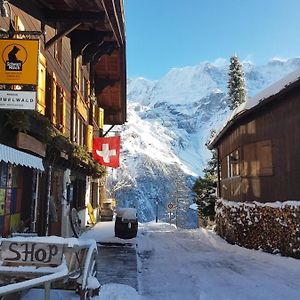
251, 103
273, 89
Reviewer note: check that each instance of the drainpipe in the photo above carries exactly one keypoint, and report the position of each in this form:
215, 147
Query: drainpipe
48, 199
219, 171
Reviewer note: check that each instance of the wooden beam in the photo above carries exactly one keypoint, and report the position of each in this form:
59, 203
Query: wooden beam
33, 8
81, 39
95, 51
101, 84
61, 34
75, 16
109, 21
89, 52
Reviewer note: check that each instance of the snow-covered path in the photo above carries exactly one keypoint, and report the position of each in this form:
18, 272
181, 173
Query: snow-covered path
197, 264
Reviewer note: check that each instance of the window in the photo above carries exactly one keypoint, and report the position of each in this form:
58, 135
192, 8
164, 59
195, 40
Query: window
86, 88
60, 113
79, 193
49, 96
81, 131
94, 194
258, 159
233, 164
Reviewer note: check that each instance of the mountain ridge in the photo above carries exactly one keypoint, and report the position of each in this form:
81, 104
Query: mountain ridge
169, 122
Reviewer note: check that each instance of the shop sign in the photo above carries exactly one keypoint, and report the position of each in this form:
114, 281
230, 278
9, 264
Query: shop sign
29, 253
19, 61
17, 100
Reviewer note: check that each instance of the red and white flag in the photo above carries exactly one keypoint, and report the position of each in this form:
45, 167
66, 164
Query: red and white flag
107, 151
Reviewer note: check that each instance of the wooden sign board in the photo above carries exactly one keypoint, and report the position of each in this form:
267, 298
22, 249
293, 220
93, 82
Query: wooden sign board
27, 142
29, 253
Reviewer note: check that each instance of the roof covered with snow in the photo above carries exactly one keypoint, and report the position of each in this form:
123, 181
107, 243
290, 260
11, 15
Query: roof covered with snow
257, 101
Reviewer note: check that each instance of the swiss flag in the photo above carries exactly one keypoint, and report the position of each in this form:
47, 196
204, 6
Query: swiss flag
107, 151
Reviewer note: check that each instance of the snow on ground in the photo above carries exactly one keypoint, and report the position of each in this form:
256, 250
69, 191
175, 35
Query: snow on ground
197, 264
114, 291
104, 232
176, 264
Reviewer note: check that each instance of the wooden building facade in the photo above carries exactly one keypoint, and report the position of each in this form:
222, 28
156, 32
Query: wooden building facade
259, 171
81, 86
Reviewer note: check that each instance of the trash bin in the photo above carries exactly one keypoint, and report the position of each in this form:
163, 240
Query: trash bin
126, 224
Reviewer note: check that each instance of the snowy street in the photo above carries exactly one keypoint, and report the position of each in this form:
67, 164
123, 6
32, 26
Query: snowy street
176, 264
197, 264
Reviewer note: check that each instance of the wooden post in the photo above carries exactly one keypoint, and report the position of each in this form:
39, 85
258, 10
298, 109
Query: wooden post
47, 287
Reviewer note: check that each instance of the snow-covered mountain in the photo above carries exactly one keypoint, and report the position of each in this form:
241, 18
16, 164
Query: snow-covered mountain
169, 122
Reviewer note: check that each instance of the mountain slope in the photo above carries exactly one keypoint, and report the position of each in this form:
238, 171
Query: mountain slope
169, 122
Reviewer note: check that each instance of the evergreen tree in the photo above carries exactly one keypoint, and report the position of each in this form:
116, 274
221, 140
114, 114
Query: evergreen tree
205, 187
236, 84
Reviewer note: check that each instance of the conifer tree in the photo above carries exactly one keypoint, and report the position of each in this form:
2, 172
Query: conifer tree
205, 187
237, 92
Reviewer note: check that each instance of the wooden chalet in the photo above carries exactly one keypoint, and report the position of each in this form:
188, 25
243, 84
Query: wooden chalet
81, 86
258, 153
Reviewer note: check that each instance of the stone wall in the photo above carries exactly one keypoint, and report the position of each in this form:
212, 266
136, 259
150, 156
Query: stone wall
271, 227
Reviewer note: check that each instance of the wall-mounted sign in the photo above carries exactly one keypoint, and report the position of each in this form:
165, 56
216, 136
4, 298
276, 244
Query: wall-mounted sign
17, 100
27, 142
19, 61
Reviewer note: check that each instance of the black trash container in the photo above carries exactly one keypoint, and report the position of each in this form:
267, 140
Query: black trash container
126, 224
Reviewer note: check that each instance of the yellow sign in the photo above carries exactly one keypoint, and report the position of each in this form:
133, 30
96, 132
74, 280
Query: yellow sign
19, 61
91, 213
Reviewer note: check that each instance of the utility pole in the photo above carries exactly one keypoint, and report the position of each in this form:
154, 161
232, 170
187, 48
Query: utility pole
156, 203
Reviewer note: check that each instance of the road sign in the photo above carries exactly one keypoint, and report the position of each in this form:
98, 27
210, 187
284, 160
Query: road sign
170, 205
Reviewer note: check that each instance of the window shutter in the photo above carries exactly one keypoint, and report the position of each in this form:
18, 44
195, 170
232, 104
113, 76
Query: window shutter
101, 117
63, 111
89, 138
264, 155
53, 117
42, 85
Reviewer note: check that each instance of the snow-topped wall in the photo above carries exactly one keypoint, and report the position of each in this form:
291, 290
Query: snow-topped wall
271, 227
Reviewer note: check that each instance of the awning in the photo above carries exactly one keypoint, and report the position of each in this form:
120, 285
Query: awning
13, 156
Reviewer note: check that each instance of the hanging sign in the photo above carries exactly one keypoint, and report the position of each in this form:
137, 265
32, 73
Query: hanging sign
19, 61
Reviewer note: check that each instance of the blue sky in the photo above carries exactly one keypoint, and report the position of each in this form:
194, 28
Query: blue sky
163, 34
